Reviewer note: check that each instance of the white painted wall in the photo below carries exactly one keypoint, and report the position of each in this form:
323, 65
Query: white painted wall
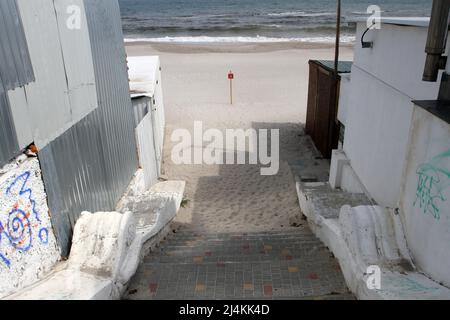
64, 91
28, 248
397, 58
146, 150
376, 136
425, 200
384, 80
146, 80
344, 97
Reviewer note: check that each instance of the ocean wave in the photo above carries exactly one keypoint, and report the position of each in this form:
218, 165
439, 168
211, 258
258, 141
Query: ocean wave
287, 14
242, 39
364, 13
360, 13
301, 14
161, 29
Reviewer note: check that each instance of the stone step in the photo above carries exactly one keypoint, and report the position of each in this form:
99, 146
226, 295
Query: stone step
320, 257
326, 200
273, 279
294, 232
239, 243
266, 265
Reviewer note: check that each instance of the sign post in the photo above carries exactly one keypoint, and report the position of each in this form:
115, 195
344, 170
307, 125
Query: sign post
231, 77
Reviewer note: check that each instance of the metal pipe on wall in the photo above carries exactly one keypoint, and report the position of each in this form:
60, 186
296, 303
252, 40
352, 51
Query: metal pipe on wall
437, 36
338, 36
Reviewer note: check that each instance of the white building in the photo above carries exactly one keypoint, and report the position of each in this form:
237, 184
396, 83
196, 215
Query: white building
396, 151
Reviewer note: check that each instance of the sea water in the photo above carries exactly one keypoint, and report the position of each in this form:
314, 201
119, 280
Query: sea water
203, 21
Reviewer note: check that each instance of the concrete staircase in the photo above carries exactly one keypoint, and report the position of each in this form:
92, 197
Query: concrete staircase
290, 264
362, 237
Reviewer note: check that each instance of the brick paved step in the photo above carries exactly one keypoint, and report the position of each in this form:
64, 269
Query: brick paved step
248, 252
297, 232
295, 244
270, 265
275, 279
318, 258
212, 241
180, 239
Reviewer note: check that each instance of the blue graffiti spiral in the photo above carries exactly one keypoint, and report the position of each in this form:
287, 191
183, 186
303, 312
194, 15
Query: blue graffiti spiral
18, 230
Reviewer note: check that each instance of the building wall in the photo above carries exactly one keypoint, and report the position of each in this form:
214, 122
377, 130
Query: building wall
28, 248
15, 70
159, 119
64, 91
146, 81
344, 97
89, 166
9, 147
78, 110
147, 153
384, 80
425, 200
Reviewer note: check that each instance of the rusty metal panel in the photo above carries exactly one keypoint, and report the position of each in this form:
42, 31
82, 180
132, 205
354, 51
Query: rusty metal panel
90, 166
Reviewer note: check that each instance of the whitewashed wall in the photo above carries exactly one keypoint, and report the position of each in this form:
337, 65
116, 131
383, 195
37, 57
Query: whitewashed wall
425, 201
159, 103
64, 91
28, 248
344, 97
384, 80
146, 150
146, 81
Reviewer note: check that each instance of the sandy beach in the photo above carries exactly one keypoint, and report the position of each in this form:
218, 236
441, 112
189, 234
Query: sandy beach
270, 91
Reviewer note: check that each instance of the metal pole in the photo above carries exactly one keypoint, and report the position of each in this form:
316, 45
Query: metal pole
338, 36
437, 36
231, 91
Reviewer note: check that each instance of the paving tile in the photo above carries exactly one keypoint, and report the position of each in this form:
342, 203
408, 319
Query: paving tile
248, 286
313, 276
200, 287
270, 265
153, 287
293, 269
198, 259
268, 290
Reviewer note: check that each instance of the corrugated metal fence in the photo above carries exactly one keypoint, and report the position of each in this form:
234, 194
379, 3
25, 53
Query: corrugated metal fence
15, 71
15, 64
91, 164
9, 146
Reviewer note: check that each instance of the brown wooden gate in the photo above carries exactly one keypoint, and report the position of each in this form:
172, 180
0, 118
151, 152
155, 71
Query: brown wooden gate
323, 96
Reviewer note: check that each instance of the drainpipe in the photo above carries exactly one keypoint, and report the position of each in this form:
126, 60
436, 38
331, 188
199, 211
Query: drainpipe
437, 38
338, 36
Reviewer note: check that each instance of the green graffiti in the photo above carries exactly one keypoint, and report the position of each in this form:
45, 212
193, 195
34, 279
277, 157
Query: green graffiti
407, 284
433, 179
